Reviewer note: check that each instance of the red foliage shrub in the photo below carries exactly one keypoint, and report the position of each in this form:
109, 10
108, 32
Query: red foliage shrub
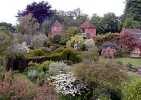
128, 40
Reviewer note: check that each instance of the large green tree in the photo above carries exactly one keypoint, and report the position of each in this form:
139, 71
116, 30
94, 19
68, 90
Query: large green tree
7, 27
132, 14
108, 23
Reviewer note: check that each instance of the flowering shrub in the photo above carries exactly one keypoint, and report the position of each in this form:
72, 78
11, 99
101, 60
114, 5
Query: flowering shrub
56, 68
67, 84
20, 49
39, 40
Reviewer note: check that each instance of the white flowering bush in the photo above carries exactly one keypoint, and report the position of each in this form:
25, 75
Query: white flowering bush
56, 68
39, 40
18, 49
67, 84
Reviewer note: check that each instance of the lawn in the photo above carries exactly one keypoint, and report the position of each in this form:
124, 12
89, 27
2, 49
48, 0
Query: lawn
135, 61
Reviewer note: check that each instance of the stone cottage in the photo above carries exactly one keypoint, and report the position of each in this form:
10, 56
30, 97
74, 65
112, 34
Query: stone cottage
88, 29
56, 29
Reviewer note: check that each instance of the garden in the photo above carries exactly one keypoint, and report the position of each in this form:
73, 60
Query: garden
41, 59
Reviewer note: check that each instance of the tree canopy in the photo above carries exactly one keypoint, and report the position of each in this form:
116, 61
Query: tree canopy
132, 14
41, 11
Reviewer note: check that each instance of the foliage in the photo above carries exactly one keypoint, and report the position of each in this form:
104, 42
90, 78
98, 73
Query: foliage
15, 57
77, 39
71, 18
5, 41
112, 37
89, 43
40, 11
101, 77
39, 41
35, 53
132, 16
7, 27
73, 30
109, 23
64, 39
131, 23
131, 90
66, 54
16, 87
128, 40
28, 25
56, 39
91, 55
38, 72
57, 68
17, 50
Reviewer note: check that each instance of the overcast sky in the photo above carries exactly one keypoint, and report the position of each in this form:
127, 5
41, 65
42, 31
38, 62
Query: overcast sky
9, 8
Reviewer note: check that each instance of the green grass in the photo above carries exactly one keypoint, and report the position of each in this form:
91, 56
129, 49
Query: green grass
134, 61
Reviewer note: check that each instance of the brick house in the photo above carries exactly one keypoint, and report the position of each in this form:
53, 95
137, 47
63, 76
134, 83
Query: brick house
88, 29
56, 29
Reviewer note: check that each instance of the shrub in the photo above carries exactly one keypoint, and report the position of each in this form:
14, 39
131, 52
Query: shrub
101, 78
15, 58
5, 41
72, 55
91, 55
73, 31
38, 72
14, 87
112, 37
128, 40
64, 39
35, 53
132, 90
89, 43
66, 54
77, 39
67, 84
123, 52
69, 88
58, 68
42, 67
39, 40
56, 39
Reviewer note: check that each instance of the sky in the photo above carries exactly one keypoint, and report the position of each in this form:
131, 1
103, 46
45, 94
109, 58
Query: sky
9, 8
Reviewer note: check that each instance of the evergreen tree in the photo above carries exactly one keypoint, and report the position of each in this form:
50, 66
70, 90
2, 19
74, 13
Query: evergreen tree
132, 12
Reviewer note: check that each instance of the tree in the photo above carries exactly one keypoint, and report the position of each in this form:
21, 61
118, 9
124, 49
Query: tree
71, 18
7, 27
132, 12
109, 23
96, 20
41, 11
28, 25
